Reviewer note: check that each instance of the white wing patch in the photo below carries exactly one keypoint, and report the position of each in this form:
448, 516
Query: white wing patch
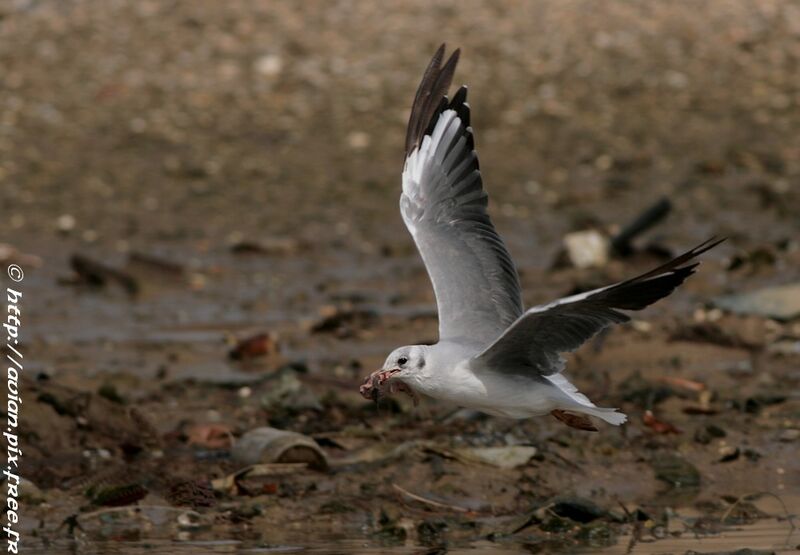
432, 146
567, 387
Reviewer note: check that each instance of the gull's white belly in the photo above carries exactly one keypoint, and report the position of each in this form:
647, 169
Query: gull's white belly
497, 394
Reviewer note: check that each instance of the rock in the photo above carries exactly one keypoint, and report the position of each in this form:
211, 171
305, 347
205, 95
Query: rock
116, 495
259, 345
578, 509
269, 65
728, 453
97, 274
502, 457
286, 391
65, 223
784, 347
788, 436
705, 434
358, 140
344, 322
587, 249
391, 532
9, 254
779, 303
268, 246
29, 492
646, 394
597, 534
676, 471
752, 454
557, 525
269, 445
431, 531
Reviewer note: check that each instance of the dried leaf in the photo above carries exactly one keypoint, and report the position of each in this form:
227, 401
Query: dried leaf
658, 426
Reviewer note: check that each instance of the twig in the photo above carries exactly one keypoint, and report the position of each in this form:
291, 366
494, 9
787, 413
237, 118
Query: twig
621, 244
637, 528
789, 517
430, 502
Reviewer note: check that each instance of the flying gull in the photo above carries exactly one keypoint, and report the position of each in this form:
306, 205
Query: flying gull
492, 355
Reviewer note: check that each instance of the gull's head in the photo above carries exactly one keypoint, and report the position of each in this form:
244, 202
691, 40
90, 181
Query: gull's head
401, 369
405, 362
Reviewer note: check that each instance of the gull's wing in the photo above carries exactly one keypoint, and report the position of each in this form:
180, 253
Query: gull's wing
534, 343
444, 207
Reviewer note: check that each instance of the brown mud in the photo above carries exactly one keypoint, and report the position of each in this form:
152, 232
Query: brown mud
194, 174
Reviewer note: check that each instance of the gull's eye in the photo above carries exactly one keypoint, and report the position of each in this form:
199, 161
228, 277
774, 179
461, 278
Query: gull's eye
402, 360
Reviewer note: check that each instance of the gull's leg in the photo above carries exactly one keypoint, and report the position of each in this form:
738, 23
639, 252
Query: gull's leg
576, 421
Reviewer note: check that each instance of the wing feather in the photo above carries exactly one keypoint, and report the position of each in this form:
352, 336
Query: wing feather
444, 207
534, 342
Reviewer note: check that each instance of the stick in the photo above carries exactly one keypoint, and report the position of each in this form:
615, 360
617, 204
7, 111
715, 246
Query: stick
621, 244
431, 502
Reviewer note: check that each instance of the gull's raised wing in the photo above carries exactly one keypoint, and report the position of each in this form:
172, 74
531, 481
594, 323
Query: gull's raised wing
444, 207
534, 343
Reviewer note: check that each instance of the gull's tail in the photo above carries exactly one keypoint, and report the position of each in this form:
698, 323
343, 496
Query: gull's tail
581, 403
612, 416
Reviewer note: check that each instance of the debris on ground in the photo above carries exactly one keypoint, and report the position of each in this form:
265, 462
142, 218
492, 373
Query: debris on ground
621, 243
268, 445
587, 249
780, 303
98, 274
676, 471
259, 345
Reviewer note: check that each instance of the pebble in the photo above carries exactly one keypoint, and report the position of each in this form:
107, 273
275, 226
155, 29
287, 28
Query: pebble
65, 223
270, 65
790, 435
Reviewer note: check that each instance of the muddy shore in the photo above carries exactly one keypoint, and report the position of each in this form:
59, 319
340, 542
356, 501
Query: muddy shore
236, 166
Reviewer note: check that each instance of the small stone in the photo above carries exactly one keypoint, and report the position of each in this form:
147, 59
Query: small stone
676, 471
715, 431
728, 453
779, 303
790, 435
66, 223
358, 140
587, 249
578, 509
270, 65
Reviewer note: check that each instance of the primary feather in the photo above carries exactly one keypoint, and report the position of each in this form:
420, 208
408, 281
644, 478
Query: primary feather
443, 204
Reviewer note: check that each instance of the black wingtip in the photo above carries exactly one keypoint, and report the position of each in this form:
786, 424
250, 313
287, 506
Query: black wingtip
682, 259
644, 290
428, 100
708, 244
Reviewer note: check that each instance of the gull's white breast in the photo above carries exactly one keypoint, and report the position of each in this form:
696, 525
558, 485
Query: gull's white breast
449, 375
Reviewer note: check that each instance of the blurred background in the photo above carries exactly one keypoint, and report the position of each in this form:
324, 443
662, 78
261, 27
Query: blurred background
204, 194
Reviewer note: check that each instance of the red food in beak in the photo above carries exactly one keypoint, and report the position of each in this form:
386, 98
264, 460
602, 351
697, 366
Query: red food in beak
372, 388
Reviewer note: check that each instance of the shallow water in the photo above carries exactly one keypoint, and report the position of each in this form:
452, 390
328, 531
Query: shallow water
770, 535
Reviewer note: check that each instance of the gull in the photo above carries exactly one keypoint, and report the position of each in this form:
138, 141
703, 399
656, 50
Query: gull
492, 355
